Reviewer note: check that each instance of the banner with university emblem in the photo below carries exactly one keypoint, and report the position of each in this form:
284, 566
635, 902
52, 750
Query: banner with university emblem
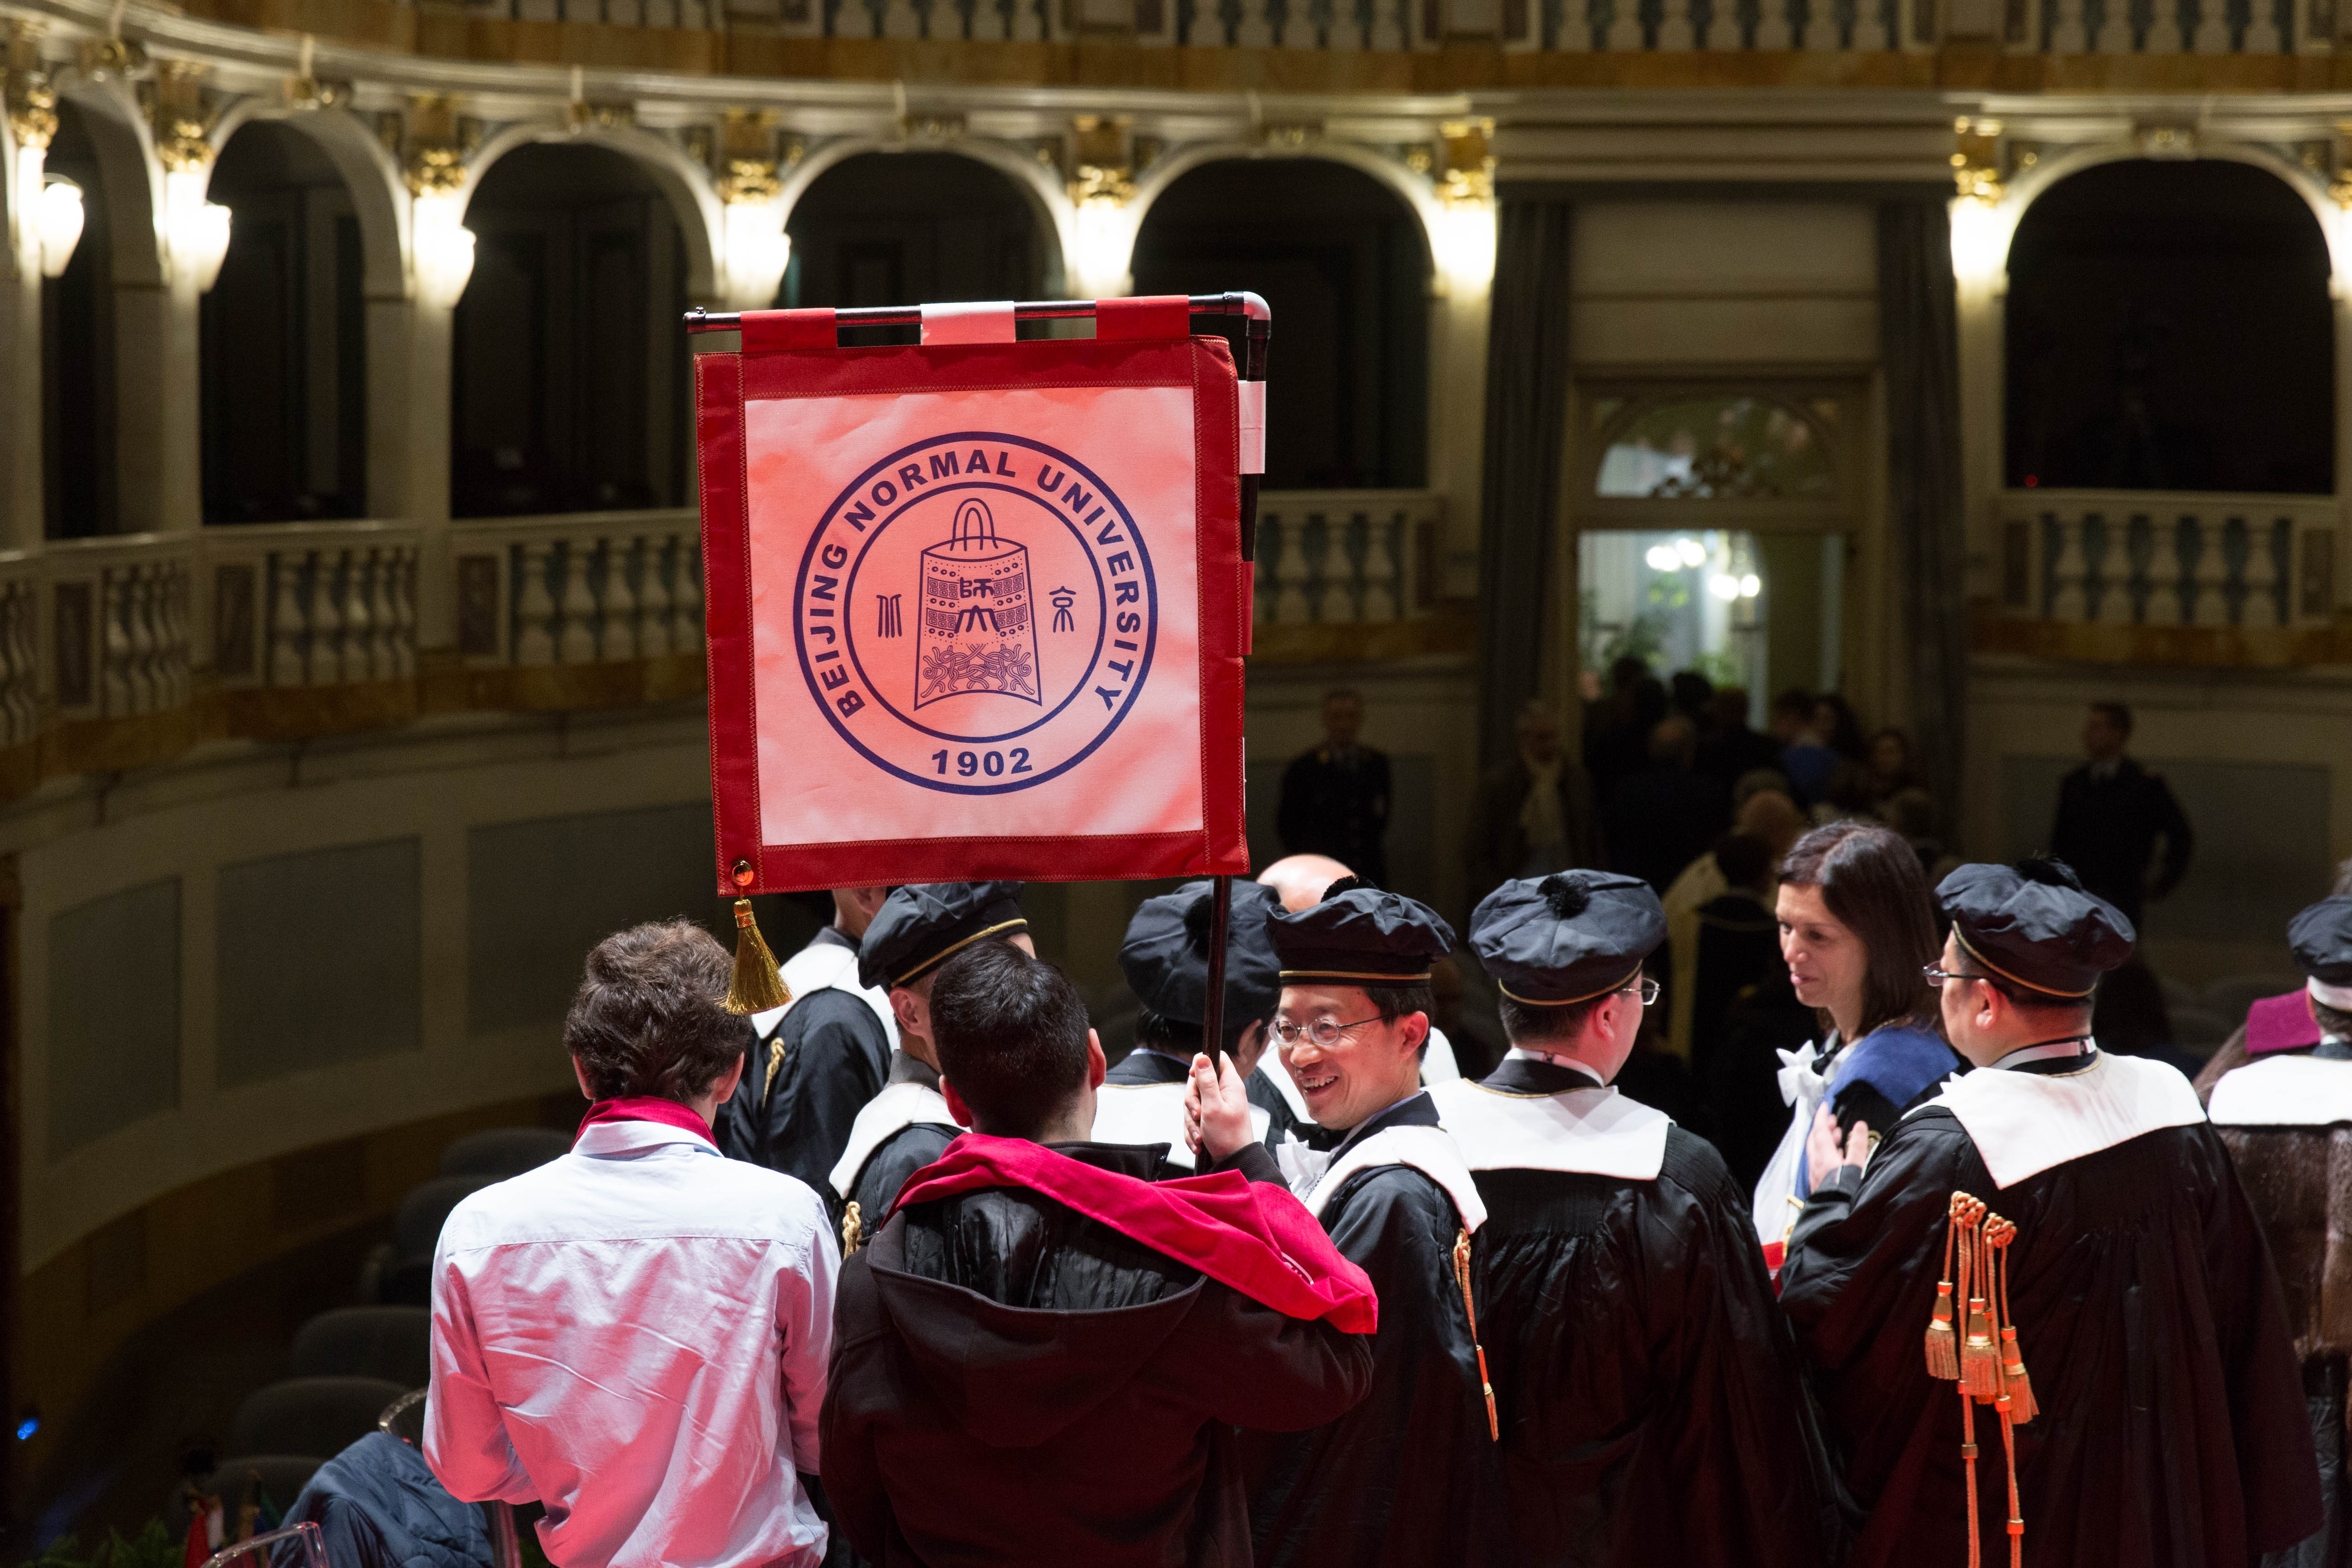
977, 607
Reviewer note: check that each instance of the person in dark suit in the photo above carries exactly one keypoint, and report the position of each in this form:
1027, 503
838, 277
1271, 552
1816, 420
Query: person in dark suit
1730, 748
1664, 816
1335, 798
1534, 811
2112, 815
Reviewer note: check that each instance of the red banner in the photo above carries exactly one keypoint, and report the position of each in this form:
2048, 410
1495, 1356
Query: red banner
975, 610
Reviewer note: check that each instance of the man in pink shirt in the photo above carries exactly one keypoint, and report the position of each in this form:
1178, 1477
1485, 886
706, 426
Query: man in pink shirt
636, 1334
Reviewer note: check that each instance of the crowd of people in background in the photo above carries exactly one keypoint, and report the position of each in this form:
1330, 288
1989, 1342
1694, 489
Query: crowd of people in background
1671, 783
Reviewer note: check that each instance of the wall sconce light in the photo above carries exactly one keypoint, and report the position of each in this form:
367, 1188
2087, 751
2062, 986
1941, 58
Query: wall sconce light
57, 226
440, 247
1980, 228
1105, 246
195, 229
1464, 237
32, 122
758, 249
1102, 184
752, 266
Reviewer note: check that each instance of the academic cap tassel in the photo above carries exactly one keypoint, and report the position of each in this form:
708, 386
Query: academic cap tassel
758, 985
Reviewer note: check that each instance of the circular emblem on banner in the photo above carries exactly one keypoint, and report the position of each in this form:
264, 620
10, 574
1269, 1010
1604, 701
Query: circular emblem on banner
976, 613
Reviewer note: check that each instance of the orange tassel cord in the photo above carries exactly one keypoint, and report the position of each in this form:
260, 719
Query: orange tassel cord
1470, 1306
1986, 1362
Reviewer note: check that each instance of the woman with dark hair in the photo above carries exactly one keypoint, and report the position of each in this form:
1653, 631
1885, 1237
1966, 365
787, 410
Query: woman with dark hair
1889, 761
1834, 723
1857, 929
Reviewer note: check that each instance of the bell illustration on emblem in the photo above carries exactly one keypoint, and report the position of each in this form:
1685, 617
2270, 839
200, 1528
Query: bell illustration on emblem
977, 632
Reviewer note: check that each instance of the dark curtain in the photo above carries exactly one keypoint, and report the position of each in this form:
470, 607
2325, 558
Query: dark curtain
1527, 414
1919, 347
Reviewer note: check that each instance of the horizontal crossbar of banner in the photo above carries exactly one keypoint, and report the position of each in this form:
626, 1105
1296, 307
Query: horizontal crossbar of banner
1259, 315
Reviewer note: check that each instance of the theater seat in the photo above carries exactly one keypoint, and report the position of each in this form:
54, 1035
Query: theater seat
417, 1227
503, 1151
403, 1275
390, 1343
315, 1415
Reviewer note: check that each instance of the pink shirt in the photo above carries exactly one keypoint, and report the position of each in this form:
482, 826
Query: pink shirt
636, 1334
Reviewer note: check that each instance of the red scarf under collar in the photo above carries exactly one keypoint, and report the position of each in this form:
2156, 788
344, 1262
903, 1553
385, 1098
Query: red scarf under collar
1252, 1237
645, 1108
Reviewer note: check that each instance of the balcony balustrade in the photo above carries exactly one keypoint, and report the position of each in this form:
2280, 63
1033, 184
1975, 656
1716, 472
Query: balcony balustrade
121, 650
2149, 578
1524, 26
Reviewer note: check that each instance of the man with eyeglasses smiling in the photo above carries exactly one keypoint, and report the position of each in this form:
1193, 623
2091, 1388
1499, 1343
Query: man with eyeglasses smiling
1408, 1477
1649, 1395
2171, 1427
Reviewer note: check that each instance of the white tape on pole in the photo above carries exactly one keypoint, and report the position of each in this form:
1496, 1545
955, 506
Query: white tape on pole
1253, 426
969, 322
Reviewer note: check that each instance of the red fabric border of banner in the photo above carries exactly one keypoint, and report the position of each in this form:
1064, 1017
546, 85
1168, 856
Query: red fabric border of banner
1146, 316
723, 382
727, 610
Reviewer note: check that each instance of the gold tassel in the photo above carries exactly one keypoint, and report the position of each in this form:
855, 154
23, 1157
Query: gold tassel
1998, 1234
851, 1225
758, 985
1992, 1370
1979, 1362
2019, 1387
1942, 1354
1485, 1384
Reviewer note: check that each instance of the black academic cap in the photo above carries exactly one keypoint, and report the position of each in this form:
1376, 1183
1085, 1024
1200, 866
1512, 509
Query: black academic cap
1569, 937
1166, 955
1359, 935
2034, 925
2321, 937
920, 924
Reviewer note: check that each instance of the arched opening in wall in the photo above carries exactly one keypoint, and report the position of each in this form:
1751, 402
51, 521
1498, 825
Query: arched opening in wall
568, 356
284, 336
1341, 259
905, 229
77, 365
2168, 329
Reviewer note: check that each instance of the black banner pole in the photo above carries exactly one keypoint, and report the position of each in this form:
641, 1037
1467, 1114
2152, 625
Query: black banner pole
1212, 1021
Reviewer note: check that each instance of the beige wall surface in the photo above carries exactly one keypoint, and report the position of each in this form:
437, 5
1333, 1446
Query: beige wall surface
396, 1038
1669, 283
2260, 764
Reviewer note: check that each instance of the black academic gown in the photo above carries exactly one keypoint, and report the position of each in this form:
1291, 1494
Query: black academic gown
1408, 1477
832, 1055
874, 1188
1652, 1405
2290, 1174
2149, 1315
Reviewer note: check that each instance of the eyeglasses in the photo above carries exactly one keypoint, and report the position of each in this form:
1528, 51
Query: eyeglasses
1645, 988
1935, 974
1323, 1032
